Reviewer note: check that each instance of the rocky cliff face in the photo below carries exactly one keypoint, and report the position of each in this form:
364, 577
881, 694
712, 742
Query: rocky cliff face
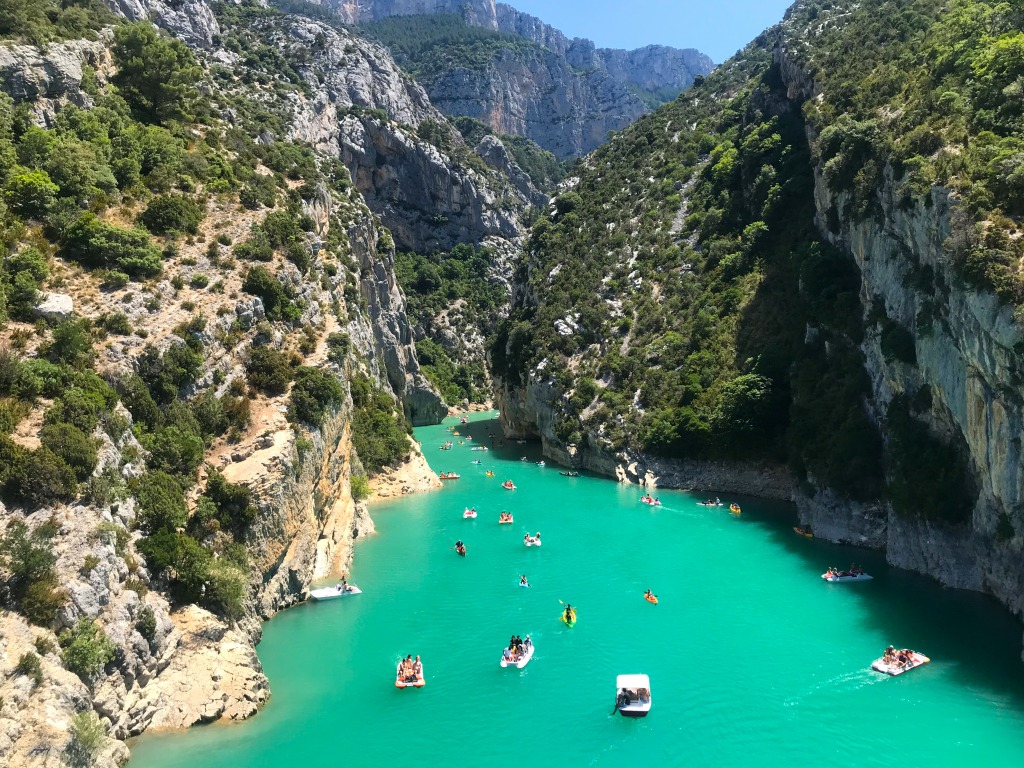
194, 666
565, 94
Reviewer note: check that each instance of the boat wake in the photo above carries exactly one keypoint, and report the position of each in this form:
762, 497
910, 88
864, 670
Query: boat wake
848, 681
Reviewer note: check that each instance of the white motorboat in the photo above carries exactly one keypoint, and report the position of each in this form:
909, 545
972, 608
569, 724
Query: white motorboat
633, 695
329, 593
524, 657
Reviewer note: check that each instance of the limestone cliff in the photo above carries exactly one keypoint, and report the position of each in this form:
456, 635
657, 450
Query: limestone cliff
177, 665
563, 93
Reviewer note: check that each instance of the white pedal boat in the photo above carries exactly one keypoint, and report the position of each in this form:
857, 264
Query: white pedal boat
522, 661
843, 576
531, 541
329, 593
916, 660
633, 695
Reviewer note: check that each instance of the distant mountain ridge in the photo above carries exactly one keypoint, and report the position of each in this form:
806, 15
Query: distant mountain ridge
566, 96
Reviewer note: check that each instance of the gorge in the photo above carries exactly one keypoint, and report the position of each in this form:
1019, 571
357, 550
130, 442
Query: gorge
226, 295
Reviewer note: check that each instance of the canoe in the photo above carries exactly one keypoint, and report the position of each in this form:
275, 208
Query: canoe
522, 661
571, 622
916, 660
651, 598
803, 532
329, 593
735, 509
844, 577
400, 682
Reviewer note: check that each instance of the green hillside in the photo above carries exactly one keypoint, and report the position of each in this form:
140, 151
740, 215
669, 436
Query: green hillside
680, 295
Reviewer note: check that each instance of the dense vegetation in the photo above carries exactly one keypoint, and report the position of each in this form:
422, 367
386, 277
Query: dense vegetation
680, 296
430, 45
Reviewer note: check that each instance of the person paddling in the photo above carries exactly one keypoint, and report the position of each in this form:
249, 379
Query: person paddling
523, 582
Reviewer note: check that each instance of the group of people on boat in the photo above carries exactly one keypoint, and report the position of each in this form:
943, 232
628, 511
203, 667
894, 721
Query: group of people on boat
505, 517
517, 646
627, 697
855, 570
717, 502
343, 586
900, 658
528, 539
449, 476
447, 445
409, 669
648, 499
570, 473
508, 485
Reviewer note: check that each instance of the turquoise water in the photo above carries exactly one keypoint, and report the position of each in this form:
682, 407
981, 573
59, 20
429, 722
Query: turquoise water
753, 658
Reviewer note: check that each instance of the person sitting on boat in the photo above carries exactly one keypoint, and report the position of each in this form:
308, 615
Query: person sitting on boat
507, 655
568, 612
623, 699
536, 538
523, 581
648, 594
417, 666
526, 537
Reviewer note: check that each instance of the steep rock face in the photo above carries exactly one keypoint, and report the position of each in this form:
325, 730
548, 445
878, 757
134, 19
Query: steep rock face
427, 199
967, 355
190, 20
565, 95
528, 411
52, 76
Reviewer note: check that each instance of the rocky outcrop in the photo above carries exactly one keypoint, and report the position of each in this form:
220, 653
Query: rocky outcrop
192, 21
48, 77
529, 411
564, 93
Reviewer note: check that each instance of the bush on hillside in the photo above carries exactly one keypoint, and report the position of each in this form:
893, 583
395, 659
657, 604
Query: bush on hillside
268, 370
160, 503
72, 445
94, 243
86, 649
172, 213
313, 394
40, 478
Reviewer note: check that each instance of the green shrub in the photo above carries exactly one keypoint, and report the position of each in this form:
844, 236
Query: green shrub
88, 735
226, 589
40, 478
28, 578
360, 487
268, 370
166, 374
199, 281
145, 623
338, 347
277, 300
180, 556
72, 344
233, 503
29, 192
172, 213
175, 451
160, 503
30, 666
86, 649
28, 260
71, 444
94, 243
313, 394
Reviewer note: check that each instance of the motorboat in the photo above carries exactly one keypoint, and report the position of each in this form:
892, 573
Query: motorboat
469, 513
839, 577
510, 659
508, 485
648, 499
633, 695
330, 593
409, 681
710, 503
895, 667
449, 476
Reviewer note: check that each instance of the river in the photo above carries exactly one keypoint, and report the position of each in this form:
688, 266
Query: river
753, 658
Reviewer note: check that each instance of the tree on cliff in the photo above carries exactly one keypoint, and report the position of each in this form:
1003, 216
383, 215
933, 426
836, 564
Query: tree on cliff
156, 75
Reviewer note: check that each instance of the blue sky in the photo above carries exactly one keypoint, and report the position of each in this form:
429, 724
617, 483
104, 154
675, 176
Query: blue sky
719, 28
